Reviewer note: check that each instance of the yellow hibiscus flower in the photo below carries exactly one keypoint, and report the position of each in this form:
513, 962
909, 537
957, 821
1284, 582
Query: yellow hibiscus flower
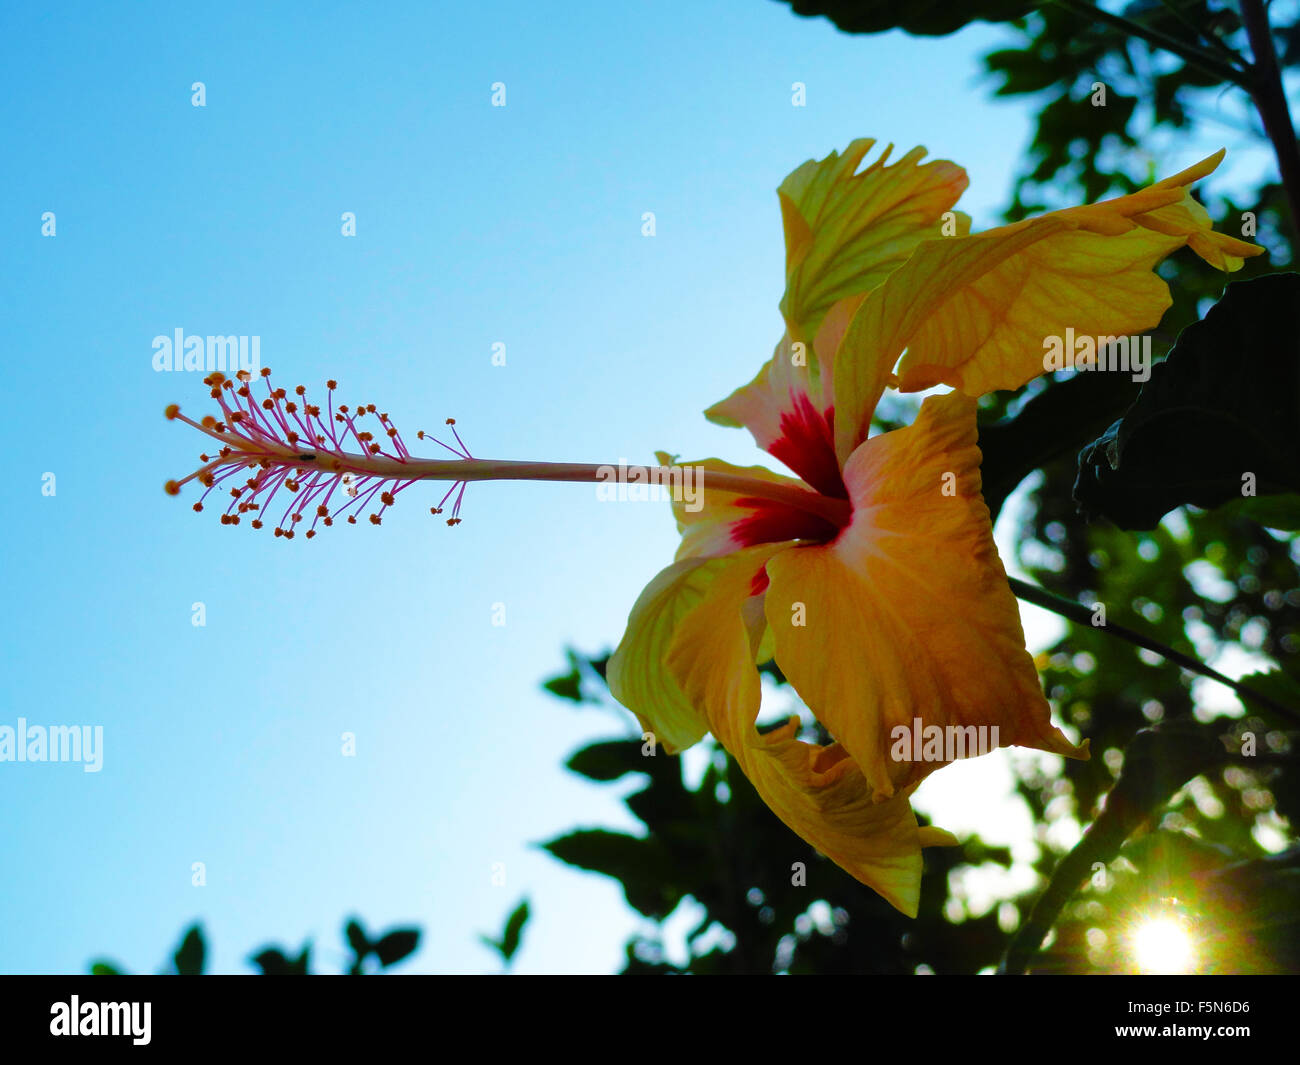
881, 595
871, 576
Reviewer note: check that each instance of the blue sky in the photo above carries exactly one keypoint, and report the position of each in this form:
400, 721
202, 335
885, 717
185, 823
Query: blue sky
475, 225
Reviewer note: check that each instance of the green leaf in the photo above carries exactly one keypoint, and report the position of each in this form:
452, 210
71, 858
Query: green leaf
273, 962
1050, 425
190, 954
357, 938
360, 944
1274, 512
396, 945
514, 929
930, 18
1219, 415
609, 760
1023, 71
1275, 684
568, 685
104, 968
645, 867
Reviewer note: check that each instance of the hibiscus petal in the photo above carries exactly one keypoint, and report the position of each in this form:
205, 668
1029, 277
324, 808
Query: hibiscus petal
636, 674
912, 606
719, 521
878, 843
790, 416
974, 311
1187, 218
817, 791
845, 232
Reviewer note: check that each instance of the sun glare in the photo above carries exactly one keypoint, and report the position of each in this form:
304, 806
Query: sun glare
1162, 945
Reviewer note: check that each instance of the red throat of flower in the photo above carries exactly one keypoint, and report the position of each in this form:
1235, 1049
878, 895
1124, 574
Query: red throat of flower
807, 446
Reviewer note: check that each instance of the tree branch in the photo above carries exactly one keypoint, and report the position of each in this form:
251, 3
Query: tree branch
1189, 53
1266, 90
1081, 615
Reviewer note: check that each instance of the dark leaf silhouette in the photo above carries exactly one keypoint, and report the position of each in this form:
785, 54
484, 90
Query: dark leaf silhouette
189, 956
1219, 419
396, 945
645, 867
273, 962
926, 17
610, 760
357, 939
512, 934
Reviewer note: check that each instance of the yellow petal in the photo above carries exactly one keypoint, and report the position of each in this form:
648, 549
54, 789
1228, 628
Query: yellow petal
937, 837
845, 232
817, 791
636, 673
908, 615
983, 312
878, 843
976, 312
1168, 207
1190, 220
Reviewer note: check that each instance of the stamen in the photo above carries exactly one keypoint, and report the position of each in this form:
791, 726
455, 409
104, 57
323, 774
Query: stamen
274, 437
291, 445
